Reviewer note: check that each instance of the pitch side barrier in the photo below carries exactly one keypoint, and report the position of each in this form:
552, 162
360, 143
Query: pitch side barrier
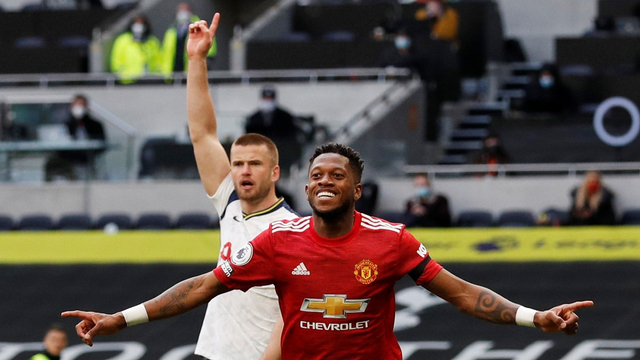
538, 244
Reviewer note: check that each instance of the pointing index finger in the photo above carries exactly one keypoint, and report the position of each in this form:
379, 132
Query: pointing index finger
579, 305
75, 313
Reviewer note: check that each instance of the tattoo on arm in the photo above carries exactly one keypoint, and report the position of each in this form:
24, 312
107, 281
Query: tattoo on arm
172, 301
494, 308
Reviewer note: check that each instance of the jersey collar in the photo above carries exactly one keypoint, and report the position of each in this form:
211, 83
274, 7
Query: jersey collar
268, 210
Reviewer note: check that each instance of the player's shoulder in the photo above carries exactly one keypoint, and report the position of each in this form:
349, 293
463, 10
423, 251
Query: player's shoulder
298, 224
379, 224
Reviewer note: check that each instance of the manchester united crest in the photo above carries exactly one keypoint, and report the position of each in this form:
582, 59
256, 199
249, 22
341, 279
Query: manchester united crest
366, 271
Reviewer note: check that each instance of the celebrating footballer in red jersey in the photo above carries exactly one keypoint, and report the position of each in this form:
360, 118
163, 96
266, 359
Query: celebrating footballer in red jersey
334, 273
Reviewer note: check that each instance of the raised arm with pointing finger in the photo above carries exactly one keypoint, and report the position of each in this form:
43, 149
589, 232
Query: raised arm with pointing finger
211, 158
242, 188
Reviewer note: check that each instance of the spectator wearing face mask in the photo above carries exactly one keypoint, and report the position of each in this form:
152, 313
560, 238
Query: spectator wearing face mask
278, 125
136, 52
592, 202
545, 93
69, 164
175, 41
426, 208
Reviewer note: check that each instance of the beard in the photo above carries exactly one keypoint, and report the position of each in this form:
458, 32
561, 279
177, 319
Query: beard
336, 213
255, 195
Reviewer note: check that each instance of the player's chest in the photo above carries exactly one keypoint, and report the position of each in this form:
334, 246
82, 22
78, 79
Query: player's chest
357, 266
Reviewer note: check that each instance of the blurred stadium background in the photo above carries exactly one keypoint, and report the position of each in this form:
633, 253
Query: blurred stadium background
323, 58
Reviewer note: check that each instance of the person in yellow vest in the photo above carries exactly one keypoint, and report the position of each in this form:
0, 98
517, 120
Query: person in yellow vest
55, 340
136, 52
175, 39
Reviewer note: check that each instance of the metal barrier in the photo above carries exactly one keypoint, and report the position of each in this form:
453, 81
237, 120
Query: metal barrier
251, 76
570, 169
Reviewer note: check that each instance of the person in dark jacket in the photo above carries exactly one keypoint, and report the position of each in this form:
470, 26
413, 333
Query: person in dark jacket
592, 202
278, 125
426, 208
81, 126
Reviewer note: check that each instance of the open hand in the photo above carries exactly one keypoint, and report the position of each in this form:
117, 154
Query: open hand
561, 318
93, 324
201, 37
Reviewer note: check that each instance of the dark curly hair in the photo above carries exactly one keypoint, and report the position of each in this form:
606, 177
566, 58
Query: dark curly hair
355, 162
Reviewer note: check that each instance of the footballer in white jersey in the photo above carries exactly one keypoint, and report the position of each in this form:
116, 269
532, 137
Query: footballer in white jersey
237, 325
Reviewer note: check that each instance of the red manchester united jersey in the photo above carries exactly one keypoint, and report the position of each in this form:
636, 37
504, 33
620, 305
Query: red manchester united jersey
336, 295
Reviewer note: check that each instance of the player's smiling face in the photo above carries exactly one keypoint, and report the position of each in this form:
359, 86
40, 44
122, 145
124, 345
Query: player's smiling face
332, 189
253, 172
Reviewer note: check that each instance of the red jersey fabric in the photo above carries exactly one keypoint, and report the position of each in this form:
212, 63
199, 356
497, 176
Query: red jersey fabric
336, 295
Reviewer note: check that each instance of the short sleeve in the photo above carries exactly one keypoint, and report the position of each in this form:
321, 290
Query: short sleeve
223, 194
413, 255
250, 266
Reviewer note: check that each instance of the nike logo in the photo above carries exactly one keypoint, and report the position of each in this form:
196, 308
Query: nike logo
235, 217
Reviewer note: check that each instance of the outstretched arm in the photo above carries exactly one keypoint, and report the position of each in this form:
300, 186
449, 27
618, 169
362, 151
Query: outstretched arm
180, 298
488, 305
211, 158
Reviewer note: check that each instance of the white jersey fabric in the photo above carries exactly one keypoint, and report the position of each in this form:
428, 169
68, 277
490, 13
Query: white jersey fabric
237, 325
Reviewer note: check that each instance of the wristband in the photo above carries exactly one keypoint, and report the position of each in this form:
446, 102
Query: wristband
525, 316
135, 315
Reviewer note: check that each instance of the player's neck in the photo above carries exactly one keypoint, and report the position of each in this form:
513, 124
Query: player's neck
334, 228
254, 207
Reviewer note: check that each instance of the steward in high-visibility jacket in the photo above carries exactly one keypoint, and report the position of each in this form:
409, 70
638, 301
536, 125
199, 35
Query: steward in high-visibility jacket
174, 47
136, 52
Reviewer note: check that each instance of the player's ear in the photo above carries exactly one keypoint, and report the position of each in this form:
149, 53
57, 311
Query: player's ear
306, 191
275, 173
358, 192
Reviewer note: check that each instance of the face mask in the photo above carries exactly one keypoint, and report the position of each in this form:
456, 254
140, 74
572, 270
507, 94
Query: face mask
183, 17
546, 81
423, 191
593, 186
138, 30
402, 42
267, 105
78, 111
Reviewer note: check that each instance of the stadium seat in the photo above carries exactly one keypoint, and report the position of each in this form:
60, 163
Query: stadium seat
6, 223
296, 36
75, 41
74, 222
35, 222
475, 218
392, 216
516, 218
153, 221
123, 221
193, 221
557, 216
346, 36
630, 217
30, 42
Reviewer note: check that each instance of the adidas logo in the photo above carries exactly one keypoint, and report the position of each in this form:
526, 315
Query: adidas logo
301, 270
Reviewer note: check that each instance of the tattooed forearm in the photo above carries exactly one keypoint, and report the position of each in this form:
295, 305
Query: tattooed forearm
494, 308
172, 301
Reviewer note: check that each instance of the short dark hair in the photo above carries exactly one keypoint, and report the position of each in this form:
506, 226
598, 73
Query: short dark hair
257, 139
355, 162
56, 327
81, 97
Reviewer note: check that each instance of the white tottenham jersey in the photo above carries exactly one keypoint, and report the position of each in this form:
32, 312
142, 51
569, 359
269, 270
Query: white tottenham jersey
237, 325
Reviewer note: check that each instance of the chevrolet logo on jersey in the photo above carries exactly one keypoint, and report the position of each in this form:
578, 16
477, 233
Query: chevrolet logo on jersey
334, 306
